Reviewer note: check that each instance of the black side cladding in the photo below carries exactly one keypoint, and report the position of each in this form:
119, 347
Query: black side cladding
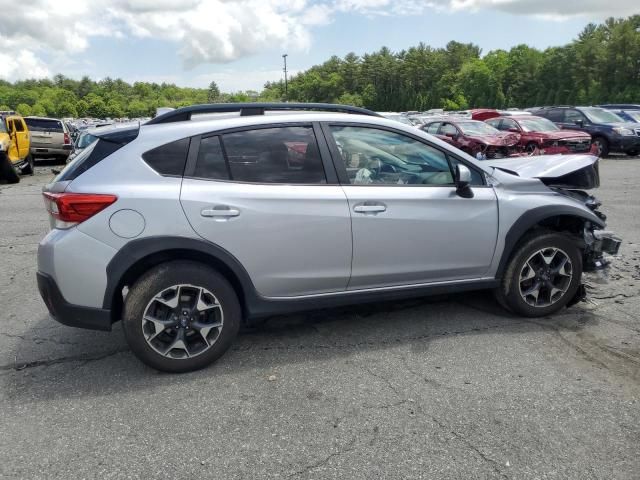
107, 143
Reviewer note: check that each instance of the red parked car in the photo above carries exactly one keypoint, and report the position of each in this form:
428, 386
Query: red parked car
541, 136
474, 137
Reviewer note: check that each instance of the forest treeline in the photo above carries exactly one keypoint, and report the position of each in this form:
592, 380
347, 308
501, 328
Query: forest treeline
601, 65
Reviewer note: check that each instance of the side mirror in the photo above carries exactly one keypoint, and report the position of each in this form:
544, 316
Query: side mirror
580, 123
463, 181
514, 130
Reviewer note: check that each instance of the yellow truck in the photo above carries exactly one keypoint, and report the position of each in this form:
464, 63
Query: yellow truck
15, 146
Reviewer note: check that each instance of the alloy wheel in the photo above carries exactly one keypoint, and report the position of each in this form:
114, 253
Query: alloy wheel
182, 321
545, 277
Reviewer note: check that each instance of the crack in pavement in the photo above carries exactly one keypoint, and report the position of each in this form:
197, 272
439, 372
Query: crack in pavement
349, 447
54, 361
495, 466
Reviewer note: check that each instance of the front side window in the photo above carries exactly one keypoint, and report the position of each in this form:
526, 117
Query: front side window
508, 125
449, 130
433, 128
287, 155
573, 116
373, 156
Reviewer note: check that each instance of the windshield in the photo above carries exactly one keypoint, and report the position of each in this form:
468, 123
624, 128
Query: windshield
537, 124
85, 139
600, 115
477, 128
632, 116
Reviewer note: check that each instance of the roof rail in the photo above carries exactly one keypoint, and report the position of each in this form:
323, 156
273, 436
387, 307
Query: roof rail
246, 109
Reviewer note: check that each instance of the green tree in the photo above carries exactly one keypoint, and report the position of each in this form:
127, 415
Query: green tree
213, 92
24, 109
39, 110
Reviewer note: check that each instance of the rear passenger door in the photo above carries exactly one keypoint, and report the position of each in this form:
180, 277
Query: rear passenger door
269, 197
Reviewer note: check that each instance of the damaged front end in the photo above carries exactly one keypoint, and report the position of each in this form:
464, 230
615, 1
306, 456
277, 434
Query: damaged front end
570, 175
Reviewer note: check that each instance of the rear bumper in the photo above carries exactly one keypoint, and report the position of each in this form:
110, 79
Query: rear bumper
67, 313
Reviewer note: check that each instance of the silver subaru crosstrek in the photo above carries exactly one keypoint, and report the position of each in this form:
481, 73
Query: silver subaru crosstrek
214, 215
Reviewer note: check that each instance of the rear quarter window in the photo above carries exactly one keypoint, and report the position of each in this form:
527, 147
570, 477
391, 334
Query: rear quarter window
168, 159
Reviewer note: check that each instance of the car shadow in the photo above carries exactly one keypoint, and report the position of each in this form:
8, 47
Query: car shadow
90, 363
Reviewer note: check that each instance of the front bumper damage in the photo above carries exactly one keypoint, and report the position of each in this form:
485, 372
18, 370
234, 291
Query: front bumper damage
597, 243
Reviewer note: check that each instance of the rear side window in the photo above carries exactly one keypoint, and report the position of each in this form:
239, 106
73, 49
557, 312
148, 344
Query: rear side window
211, 163
44, 125
168, 159
287, 155
555, 115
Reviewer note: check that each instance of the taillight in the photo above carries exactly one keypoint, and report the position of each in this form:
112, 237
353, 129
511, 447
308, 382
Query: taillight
69, 209
67, 139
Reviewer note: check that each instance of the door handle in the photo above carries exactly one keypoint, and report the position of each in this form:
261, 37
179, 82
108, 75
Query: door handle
377, 208
220, 212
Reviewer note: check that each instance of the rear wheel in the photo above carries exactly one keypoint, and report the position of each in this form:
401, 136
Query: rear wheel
542, 276
7, 170
602, 146
181, 316
633, 153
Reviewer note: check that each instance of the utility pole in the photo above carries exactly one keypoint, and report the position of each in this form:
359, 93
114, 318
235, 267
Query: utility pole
286, 96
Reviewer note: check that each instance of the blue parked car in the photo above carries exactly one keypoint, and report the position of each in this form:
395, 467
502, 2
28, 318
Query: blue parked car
609, 132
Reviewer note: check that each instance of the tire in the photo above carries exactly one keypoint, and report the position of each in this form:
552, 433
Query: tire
28, 170
217, 319
633, 153
7, 170
603, 146
529, 259
530, 148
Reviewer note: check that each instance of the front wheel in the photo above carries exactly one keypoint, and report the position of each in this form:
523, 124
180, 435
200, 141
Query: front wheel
181, 316
7, 170
602, 146
531, 148
542, 276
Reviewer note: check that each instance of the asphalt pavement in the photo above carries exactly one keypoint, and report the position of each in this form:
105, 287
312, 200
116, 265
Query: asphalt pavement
442, 388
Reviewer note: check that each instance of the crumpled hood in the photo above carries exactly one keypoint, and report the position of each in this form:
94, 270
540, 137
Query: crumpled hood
502, 139
561, 134
567, 171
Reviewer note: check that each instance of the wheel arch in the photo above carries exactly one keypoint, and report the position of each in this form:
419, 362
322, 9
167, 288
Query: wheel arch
138, 256
559, 218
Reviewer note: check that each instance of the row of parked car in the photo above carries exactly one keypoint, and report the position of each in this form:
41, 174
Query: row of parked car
487, 133
25, 139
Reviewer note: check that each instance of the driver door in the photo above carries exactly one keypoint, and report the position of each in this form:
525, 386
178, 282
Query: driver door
409, 226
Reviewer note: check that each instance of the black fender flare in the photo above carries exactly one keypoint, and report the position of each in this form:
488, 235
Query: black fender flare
533, 217
137, 250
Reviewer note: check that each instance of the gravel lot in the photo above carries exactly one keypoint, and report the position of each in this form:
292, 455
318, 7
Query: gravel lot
450, 387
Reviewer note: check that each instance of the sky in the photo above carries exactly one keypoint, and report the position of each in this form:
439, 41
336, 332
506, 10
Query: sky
239, 43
